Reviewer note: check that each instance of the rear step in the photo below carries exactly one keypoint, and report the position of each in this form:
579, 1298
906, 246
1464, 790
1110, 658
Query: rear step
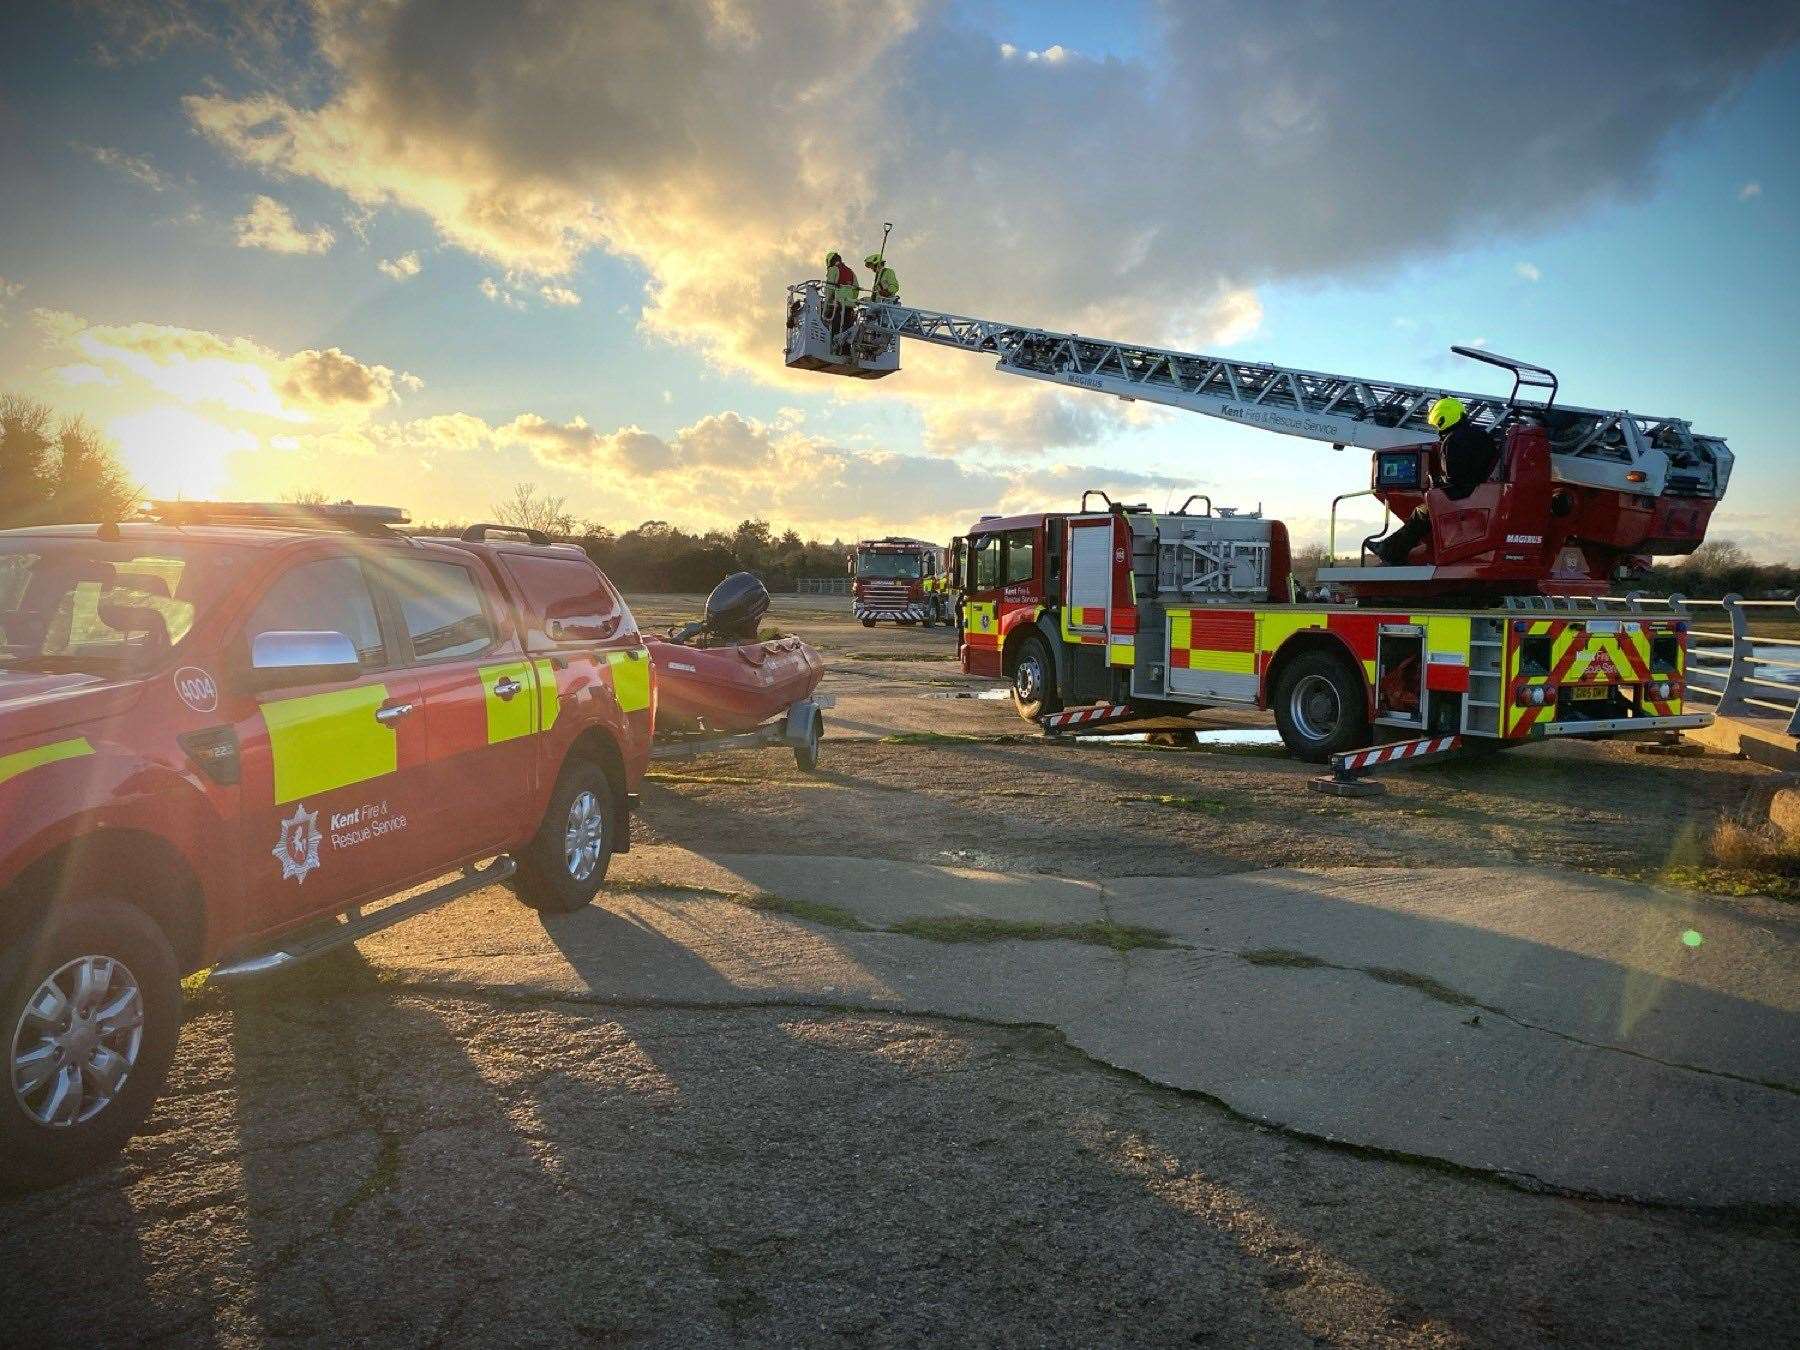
298, 950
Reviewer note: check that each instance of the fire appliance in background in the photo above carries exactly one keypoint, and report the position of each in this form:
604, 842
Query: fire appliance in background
906, 580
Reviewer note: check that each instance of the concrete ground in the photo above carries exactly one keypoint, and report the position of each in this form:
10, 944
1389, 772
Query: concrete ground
974, 1040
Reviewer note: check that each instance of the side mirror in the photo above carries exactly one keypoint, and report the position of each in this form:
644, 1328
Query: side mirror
279, 660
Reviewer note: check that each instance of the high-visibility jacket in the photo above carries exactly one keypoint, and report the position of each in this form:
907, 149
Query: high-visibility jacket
887, 284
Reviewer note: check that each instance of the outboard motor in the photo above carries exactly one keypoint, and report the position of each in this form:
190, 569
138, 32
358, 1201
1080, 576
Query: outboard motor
736, 607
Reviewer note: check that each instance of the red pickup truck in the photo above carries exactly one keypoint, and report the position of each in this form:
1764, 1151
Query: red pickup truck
224, 729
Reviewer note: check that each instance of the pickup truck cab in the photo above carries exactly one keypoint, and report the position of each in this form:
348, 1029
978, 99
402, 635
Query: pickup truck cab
225, 729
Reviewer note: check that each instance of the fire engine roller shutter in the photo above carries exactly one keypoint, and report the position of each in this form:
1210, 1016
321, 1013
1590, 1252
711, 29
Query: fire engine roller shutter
1090, 572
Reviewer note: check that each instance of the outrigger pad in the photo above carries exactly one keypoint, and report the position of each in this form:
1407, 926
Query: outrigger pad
1333, 786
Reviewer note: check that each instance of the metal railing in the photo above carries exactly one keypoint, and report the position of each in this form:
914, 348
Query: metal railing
822, 585
1732, 667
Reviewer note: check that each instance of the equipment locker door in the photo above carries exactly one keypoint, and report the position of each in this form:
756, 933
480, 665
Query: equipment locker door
1088, 578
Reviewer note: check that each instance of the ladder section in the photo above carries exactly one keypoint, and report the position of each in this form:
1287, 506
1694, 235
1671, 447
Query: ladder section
1590, 446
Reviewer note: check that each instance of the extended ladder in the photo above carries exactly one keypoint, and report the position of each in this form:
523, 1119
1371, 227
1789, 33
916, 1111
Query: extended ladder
1621, 451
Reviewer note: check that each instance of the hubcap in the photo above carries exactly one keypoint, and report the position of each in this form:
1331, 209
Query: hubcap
1315, 708
1028, 679
582, 839
77, 1041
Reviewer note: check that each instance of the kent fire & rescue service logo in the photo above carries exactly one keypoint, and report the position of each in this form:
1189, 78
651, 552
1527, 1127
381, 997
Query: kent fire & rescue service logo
298, 849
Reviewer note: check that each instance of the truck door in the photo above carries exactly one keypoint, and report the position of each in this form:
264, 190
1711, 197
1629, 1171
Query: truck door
481, 701
981, 606
1088, 577
333, 773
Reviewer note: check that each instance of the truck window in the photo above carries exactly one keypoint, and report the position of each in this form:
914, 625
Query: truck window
330, 596
568, 590
1020, 556
984, 561
441, 605
888, 566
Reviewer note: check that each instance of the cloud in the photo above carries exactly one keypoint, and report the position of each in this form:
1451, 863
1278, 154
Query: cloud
9, 291
136, 167
403, 268
270, 225
559, 295
1528, 272
721, 147
493, 291
1750, 191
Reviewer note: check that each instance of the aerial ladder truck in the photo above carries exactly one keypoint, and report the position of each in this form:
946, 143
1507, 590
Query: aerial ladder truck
1498, 630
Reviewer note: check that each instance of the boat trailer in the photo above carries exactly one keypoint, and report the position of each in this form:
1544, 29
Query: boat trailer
801, 727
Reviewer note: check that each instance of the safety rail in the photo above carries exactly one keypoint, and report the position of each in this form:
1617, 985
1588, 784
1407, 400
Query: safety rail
822, 585
1731, 667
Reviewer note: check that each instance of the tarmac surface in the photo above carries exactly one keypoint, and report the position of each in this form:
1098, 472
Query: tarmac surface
969, 1039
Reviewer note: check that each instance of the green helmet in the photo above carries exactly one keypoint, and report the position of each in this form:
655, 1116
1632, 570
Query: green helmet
1446, 413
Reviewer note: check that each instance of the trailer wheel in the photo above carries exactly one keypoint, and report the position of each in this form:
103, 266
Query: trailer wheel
1034, 681
561, 869
1320, 707
806, 753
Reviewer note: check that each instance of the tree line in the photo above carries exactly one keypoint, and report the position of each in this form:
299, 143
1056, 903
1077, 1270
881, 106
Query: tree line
60, 470
57, 471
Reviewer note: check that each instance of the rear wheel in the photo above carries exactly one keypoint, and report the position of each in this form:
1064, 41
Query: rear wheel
562, 868
868, 623
1320, 707
1034, 681
90, 1015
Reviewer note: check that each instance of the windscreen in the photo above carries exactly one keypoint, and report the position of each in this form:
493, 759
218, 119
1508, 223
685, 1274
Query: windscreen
889, 566
101, 606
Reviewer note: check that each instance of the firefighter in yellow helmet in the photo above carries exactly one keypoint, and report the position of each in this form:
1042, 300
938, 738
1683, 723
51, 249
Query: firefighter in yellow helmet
885, 287
1466, 456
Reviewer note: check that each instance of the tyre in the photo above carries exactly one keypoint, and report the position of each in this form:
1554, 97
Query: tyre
1034, 681
1320, 707
806, 753
90, 1013
868, 623
561, 869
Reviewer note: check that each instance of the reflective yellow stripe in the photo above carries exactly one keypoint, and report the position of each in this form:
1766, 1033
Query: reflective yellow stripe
549, 704
1121, 652
508, 718
631, 678
1225, 663
11, 766
326, 741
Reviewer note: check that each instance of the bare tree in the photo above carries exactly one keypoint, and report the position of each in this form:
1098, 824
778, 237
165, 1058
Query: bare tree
528, 509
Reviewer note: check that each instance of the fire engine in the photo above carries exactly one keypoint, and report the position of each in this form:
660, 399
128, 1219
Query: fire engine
906, 580
1502, 633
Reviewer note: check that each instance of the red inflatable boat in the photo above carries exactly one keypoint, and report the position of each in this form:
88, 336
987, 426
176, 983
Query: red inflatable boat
716, 675
733, 686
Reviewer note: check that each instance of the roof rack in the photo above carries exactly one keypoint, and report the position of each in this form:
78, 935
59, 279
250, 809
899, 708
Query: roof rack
346, 516
475, 534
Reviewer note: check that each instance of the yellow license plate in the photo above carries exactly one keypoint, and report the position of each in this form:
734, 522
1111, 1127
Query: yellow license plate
1577, 692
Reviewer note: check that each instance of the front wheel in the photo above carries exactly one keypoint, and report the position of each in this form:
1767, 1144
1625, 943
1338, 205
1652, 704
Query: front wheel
1320, 707
1034, 681
868, 623
561, 869
91, 1016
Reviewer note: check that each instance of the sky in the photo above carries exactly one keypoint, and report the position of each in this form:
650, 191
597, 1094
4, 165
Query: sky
419, 251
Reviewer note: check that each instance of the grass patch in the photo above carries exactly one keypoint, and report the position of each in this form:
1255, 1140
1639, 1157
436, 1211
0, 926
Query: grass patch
1210, 806
976, 928
1745, 845
813, 911
900, 656
1427, 986
1280, 956
1739, 856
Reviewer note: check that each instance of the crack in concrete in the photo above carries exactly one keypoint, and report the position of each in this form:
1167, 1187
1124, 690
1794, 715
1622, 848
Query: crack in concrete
1782, 1216
1443, 993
